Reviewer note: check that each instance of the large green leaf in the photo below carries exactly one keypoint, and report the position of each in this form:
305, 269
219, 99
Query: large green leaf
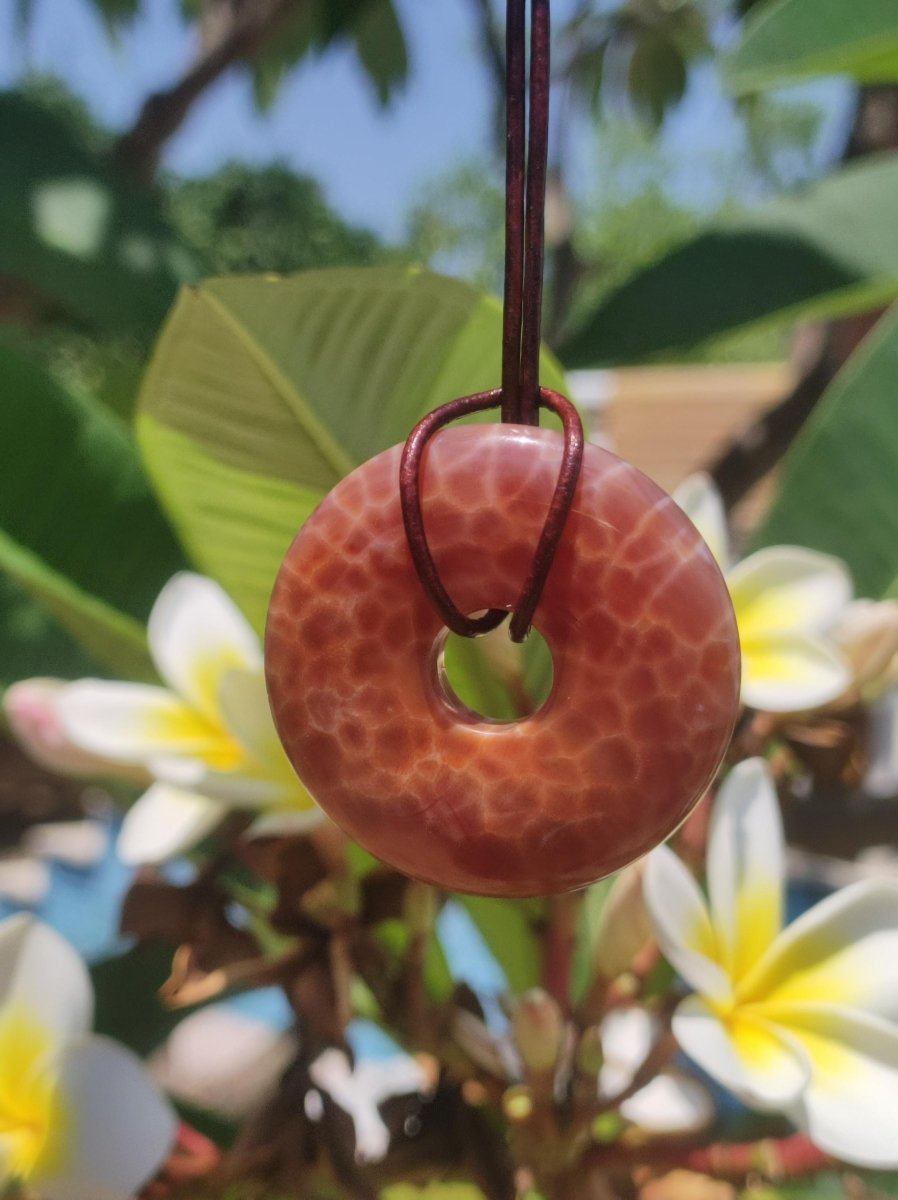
787, 40
80, 532
82, 238
265, 391
33, 643
827, 250
839, 489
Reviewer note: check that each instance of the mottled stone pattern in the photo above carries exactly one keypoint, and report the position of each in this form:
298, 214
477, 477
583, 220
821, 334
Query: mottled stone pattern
646, 667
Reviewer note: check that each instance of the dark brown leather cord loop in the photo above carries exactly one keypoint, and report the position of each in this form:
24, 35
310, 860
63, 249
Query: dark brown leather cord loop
520, 396
562, 498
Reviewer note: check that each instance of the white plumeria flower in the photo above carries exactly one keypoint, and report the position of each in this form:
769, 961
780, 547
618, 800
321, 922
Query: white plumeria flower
670, 1104
802, 1020
79, 1117
786, 600
207, 739
360, 1090
868, 636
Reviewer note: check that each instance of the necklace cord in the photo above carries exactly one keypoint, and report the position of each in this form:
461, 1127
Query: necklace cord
520, 397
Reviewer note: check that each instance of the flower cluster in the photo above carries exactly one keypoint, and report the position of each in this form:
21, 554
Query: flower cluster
788, 601
802, 1020
206, 742
79, 1118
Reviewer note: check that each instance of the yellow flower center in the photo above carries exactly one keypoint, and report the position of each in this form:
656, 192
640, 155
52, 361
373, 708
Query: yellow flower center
33, 1123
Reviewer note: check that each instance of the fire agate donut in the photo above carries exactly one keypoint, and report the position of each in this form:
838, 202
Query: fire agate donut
643, 641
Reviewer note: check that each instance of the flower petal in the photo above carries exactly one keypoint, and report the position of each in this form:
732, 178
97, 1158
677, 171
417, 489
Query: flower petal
221, 1061
235, 789
24, 879
285, 823
627, 1037
682, 925
196, 633
119, 1128
164, 823
41, 974
843, 951
31, 708
849, 1108
244, 706
867, 635
134, 722
672, 1103
788, 589
881, 776
753, 1059
701, 502
746, 866
360, 1091
78, 844
791, 673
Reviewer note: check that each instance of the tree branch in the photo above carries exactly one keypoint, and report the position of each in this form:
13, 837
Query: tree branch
137, 152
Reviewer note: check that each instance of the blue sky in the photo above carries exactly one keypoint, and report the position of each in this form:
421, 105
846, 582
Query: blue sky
373, 164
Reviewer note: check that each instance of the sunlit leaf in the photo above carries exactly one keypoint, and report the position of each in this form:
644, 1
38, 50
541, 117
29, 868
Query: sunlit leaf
806, 254
80, 532
837, 492
265, 391
788, 40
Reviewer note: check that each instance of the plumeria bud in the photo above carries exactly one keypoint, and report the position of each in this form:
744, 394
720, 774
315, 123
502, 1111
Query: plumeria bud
32, 712
867, 635
420, 908
590, 1057
624, 926
538, 1027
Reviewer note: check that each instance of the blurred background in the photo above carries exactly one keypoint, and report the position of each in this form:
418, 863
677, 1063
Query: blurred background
720, 238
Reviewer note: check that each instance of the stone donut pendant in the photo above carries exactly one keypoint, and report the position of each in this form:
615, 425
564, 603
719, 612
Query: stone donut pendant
643, 641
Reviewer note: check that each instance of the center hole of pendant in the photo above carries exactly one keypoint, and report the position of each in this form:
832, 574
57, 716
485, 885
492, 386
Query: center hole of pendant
494, 677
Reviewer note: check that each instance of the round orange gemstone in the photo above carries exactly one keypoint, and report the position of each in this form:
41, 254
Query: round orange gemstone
644, 647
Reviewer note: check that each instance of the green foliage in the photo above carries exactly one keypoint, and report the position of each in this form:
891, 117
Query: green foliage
788, 40
33, 643
657, 75
457, 225
828, 1185
265, 219
264, 392
371, 27
588, 925
801, 255
837, 492
79, 529
507, 927
86, 242
634, 57
128, 1007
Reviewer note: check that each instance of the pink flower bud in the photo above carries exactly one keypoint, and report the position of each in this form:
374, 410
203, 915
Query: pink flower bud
624, 924
538, 1027
30, 708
